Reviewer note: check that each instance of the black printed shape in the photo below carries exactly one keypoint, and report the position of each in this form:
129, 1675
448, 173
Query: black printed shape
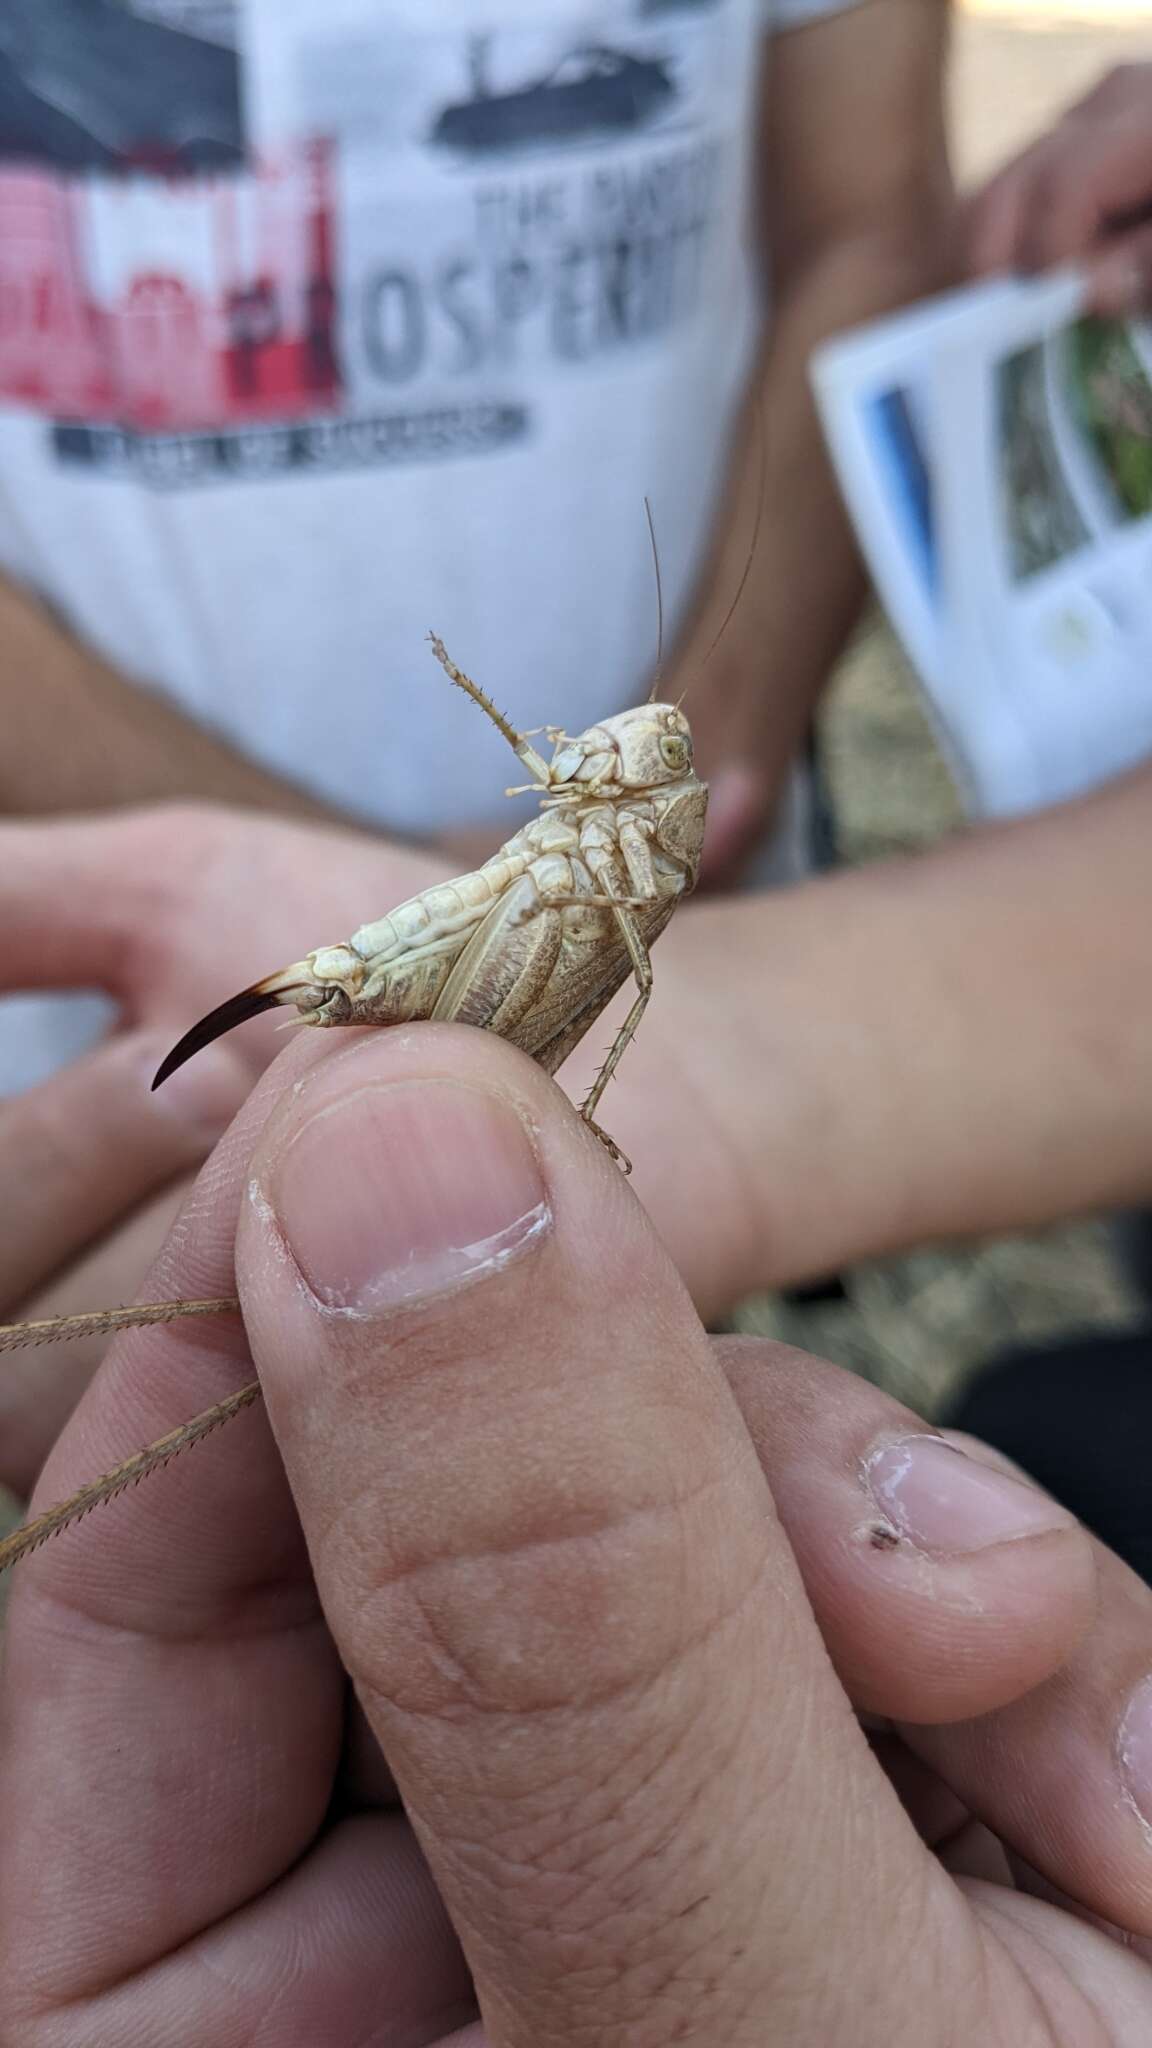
85, 85
594, 90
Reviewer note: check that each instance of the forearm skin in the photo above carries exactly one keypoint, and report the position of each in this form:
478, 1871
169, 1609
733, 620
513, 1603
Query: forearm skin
937, 1047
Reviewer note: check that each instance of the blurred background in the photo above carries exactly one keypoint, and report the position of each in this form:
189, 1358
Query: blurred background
918, 1325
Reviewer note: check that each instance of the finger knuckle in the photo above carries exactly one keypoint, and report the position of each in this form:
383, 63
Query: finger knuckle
160, 848
542, 1606
163, 826
169, 859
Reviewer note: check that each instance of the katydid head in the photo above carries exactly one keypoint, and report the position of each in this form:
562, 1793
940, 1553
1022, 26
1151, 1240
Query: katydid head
647, 748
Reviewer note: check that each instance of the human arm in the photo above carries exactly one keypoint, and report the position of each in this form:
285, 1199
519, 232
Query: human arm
937, 1046
80, 736
517, 1705
845, 233
1081, 193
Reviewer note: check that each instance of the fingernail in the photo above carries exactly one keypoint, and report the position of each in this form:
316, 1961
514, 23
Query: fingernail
400, 1192
943, 1501
1135, 1750
206, 1094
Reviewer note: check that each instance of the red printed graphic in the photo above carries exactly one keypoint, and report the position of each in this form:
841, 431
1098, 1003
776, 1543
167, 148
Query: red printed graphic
232, 319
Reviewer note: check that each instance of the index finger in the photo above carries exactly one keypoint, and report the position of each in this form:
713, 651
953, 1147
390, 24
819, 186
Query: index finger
171, 1704
1093, 181
995, 217
62, 885
87, 1145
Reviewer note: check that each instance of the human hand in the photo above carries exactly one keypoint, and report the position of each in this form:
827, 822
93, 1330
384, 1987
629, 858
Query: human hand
1081, 194
750, 724
175, 906
608, 1595
169, 910
735, 717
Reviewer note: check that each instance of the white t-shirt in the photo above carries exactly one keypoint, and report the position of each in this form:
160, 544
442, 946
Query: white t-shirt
326, 322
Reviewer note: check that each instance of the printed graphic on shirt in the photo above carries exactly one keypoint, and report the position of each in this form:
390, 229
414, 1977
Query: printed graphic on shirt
214, 20
120, 85
411, 229
593, 90
162, 304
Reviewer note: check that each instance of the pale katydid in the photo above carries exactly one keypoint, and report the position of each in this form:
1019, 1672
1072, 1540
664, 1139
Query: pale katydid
533, 945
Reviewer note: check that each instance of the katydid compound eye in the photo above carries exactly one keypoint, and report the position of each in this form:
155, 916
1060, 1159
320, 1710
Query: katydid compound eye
675, 752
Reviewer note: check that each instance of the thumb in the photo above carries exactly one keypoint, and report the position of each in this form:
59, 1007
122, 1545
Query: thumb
549, 1560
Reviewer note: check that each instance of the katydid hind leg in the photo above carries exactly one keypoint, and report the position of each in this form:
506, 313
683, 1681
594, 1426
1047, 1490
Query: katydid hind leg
505, 968
642, 967
105, 1322
54, 1520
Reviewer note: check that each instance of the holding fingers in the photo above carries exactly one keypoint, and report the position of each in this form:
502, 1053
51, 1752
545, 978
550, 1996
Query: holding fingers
607, 1596
1080, 194
160, 908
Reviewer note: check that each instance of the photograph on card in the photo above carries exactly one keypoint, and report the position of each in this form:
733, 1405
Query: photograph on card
1042, 520
1107, 366
1023, 493
1075, 439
